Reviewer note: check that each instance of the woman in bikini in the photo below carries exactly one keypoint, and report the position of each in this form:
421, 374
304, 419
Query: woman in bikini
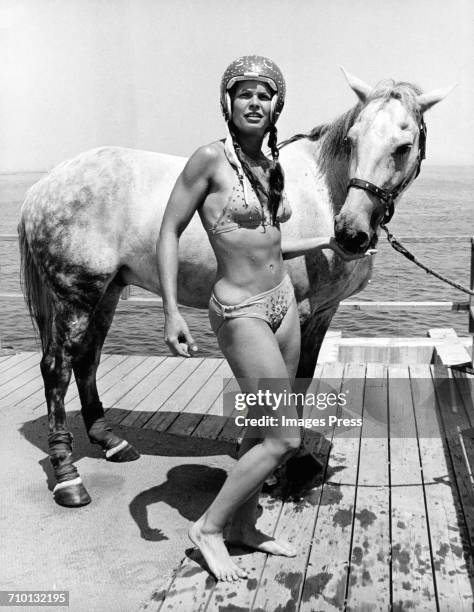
239, 195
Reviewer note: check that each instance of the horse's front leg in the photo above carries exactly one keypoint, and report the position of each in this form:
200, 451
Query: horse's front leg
85, 366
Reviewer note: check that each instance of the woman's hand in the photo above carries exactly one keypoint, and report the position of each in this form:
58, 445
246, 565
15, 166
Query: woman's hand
177, 336
345, 255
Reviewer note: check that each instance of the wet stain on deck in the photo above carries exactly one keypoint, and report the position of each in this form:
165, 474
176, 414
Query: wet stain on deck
366, 517
292, 581
252, 584
343, 518
402, 558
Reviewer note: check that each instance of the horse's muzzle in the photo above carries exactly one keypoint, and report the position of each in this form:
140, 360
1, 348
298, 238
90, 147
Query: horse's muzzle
351, 240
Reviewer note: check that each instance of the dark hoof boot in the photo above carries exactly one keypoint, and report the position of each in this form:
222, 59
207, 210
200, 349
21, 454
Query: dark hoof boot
122, 452
71, 493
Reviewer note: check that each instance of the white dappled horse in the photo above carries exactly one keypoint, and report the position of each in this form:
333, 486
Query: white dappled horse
90, 227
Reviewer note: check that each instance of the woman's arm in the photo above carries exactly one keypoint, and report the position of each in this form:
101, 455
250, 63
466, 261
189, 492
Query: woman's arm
295, 248
188, 194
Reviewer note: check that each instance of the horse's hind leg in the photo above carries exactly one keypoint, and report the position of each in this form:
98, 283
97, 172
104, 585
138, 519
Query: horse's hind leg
315, 445
85, 366
67, 329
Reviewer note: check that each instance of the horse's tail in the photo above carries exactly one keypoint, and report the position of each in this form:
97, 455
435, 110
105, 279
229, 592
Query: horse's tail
35, 290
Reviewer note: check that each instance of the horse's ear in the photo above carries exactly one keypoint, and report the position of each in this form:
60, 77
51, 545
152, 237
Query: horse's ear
359, 87
429, 99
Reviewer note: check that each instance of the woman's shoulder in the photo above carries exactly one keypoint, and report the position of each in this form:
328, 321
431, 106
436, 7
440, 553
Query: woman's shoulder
209, 153
205, 161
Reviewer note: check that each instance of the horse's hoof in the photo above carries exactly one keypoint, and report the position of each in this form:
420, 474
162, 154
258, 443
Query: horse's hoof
71, 493
122, 452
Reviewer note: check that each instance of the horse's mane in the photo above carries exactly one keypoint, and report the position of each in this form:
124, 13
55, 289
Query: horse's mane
333, 135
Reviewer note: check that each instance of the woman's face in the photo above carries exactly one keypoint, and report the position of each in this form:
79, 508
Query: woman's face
251, 104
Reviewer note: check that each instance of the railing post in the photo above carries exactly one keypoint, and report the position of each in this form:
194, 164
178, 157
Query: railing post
471, 300
126, 293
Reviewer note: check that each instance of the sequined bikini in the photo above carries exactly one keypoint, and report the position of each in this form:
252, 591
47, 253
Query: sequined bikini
244, 210
270, 306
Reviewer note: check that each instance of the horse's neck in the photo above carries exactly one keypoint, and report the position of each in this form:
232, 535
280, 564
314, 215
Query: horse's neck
335, 171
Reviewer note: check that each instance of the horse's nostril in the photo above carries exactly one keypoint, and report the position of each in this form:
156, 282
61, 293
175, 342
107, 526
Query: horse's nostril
362, 239
352, 241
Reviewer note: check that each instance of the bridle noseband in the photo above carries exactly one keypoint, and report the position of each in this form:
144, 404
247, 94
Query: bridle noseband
384, 195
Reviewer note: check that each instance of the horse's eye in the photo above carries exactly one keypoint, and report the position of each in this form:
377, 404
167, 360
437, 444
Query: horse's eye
403, 149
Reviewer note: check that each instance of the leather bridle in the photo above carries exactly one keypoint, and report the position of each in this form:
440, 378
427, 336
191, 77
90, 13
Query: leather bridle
384, 195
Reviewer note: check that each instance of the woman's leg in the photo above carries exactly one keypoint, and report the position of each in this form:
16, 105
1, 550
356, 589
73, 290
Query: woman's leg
243, 522
253, 353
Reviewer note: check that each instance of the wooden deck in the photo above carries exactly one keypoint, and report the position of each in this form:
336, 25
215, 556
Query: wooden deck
388, 523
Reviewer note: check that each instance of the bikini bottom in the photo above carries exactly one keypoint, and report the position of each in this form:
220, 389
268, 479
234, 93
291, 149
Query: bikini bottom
270, 306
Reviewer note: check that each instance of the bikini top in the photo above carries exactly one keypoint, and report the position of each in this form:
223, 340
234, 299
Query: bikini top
243, 208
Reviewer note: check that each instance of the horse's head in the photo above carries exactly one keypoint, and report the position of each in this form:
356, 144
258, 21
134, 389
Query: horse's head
386, 142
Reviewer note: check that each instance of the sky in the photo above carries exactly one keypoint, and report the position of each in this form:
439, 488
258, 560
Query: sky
77, 74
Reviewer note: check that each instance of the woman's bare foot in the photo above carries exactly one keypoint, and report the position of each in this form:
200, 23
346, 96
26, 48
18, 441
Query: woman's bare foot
250, 536
212, 547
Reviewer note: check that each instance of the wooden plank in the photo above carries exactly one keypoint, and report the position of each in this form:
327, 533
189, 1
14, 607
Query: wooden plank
448, 347
27, 378
162, 390
13, 360
230, 432
369, 581
412, 575
178, 423
137, 395
455, 420
329, 351
326, 579
24, 393
465, 387
393, 306
5, 357
453, 566
114, 394
214, 420
205, 396
24, 362
183, 399
107, 379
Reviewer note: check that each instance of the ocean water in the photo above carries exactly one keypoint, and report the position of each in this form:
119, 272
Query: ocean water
439, 203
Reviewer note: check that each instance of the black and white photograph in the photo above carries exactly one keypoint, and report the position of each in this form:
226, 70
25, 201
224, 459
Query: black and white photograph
237, 305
